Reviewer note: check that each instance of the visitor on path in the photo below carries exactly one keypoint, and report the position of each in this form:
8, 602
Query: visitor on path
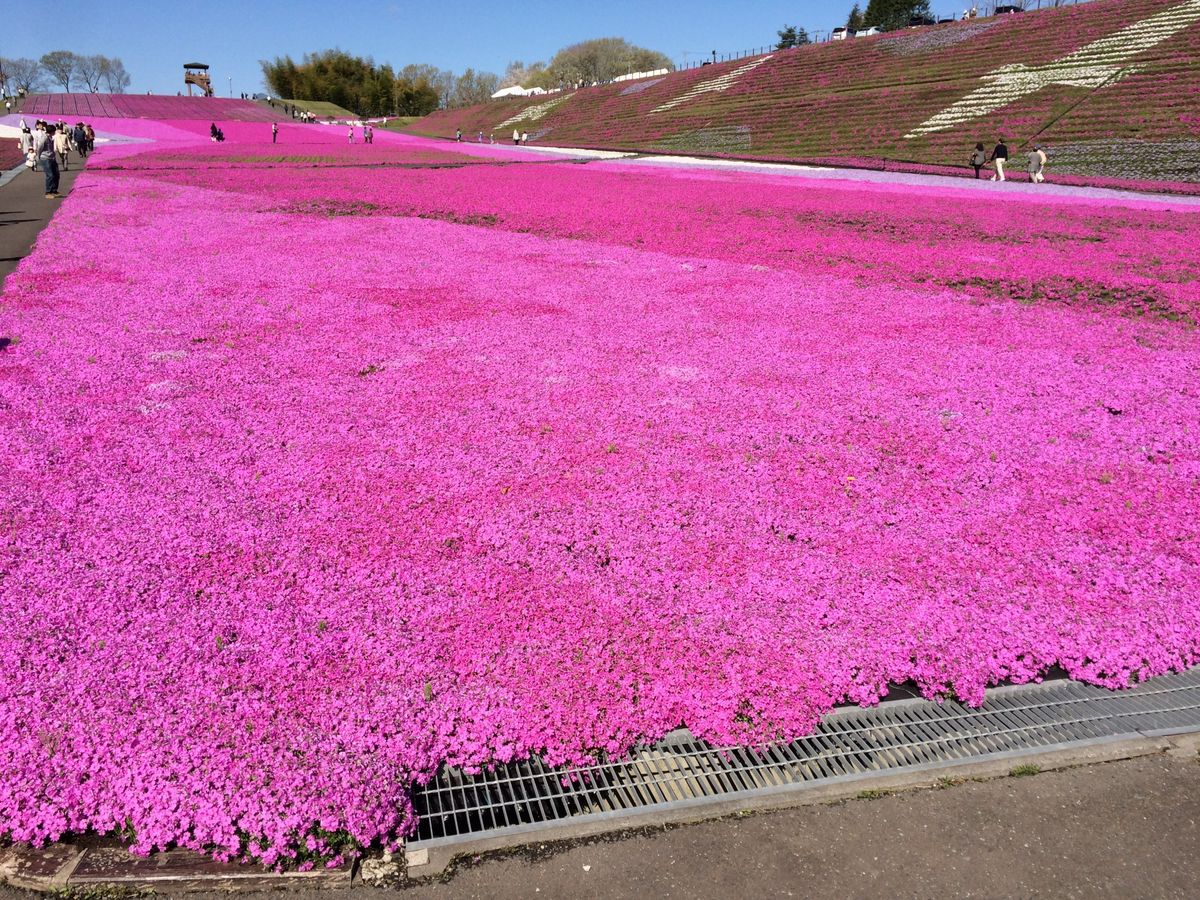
516, 137
90, 134
79, 139
62, 146
458, 134
350, 135
978, 159
212, 132
1000, 157
25, 141
1037, 164
524, 137
480, 139
274, 133
44, 148
368, 134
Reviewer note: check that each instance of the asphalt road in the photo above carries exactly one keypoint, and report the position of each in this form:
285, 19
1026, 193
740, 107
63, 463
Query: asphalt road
24, 212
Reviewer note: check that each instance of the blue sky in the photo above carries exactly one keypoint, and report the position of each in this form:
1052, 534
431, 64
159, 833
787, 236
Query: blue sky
155, 37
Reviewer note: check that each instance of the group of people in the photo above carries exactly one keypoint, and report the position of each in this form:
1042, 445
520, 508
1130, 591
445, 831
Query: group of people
49, 145
999, 160
368, 134
215, 134
290, 109
519, 137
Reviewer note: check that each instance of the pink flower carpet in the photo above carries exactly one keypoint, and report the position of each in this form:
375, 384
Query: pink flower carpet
323, 467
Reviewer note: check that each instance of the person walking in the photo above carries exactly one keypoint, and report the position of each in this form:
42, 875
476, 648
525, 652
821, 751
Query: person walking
1037, 163
516, 137
350, 135
79, 139
978, 158
43, 145
458, 134
274, 132
1000, 158
62, 146
25, 141
524, 137
89, 134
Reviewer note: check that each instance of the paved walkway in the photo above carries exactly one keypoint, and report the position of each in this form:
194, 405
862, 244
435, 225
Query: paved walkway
1015, 187
24, 212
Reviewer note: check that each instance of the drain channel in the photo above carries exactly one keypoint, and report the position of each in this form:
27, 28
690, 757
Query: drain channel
682, 771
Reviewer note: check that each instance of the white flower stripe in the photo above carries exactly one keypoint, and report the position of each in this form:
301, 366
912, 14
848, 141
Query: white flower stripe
1099, 63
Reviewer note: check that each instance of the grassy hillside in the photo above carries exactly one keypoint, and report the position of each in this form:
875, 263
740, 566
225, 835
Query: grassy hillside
1109, 87
322, 109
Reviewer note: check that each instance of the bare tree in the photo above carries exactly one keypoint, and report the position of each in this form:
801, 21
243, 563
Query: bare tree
60, 65
444, 83
474, 87
518, 73
90, 69
23, 74
116, 79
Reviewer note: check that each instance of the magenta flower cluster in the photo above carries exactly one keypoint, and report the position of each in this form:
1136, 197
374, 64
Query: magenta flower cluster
313, 480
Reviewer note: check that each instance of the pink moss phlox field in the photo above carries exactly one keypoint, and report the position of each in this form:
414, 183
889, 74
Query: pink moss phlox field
313, 481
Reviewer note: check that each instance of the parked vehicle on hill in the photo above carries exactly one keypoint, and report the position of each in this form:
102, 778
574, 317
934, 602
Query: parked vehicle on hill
1001, 10
838, 34
866, 32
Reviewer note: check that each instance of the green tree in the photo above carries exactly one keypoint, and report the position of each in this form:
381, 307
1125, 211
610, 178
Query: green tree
792, 36
855, 22
888, 15
600, 60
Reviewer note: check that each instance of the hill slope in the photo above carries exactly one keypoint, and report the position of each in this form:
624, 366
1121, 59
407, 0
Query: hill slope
1110, 87
145, 106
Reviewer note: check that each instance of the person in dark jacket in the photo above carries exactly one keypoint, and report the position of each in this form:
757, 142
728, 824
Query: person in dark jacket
43, 145
1000, 158
978, 158
79, 139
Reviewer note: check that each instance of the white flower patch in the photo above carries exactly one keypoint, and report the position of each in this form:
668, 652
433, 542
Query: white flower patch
721, 83
925, 40
533, 113
1099, 63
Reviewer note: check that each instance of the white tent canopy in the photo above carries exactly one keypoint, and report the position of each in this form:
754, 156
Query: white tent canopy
517, 91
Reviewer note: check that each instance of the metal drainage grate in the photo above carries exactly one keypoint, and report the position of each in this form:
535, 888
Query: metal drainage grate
682, 771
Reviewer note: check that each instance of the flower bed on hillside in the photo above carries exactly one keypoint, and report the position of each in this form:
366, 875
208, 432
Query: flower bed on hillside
318, 484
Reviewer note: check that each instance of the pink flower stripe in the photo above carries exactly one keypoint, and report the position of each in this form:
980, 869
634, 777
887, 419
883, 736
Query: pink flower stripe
315, 480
